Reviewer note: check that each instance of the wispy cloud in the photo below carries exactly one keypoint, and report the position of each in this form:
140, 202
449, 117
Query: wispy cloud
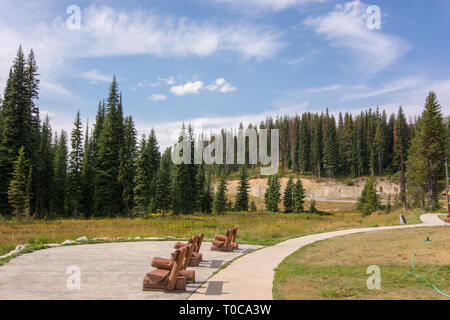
345, 27
55, 88
409, 92
169, 81
266, 5
108, 31
95, 76
323, 89
158, 97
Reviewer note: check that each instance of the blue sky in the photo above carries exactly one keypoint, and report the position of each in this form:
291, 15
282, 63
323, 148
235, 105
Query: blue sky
219, 62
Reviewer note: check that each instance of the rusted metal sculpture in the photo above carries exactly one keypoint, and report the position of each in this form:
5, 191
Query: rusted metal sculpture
167, 276
223, 242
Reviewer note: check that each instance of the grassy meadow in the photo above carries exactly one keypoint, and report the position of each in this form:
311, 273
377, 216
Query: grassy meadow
254, 227
337, 268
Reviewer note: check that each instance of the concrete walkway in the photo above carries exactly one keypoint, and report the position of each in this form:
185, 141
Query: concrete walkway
251, 276
108, 271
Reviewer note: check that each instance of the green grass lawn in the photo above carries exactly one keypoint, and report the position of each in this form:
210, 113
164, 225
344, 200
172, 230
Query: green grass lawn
337, 268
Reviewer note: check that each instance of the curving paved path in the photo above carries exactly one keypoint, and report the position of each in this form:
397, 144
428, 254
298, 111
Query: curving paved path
251, 276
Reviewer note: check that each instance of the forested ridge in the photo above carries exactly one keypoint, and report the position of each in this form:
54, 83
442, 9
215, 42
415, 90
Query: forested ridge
109, 171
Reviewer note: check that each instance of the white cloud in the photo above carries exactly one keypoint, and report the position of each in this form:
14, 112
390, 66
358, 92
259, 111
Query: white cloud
323, 89
227, 88
158, 97
409, 92
345, 27
222, 86
169, 81
188, 88
107, 31
397, 85
168, 132
55, 87
266, 5
96, 76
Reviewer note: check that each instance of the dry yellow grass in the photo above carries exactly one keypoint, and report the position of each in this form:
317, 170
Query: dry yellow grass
254, 227
336, 268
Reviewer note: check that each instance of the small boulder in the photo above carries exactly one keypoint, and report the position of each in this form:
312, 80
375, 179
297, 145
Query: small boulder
82, 239
52, 245
20, 247
137, 238
68, 242
153, 238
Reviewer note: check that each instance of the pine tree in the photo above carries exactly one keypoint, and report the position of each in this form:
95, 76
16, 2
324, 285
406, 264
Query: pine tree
299, 197
243, 191
60, 176
98, 127
272, 196
369, 201
192, 171
201, 185
108, 191
16, 125
267, 194
304, 145
220, 198
208, 197
346, 147
87, 175
182, 186
163, 181
17, 191
44, 169
32, 90
121, 179
253, 206
129, 157
141, 180
401, 145
330, 155
316, 147
360, 150
288, 196
153, 157
426, 155
75, 163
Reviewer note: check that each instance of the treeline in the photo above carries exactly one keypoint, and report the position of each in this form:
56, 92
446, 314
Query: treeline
108, 171
105, 173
